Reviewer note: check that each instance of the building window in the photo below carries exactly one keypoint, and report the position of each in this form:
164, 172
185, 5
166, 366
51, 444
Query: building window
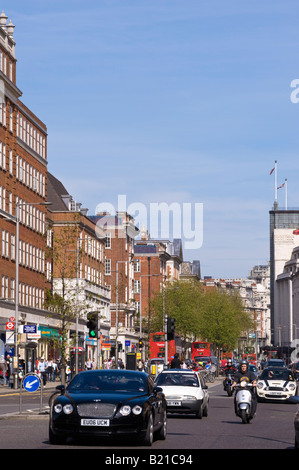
137, 265
108, 266
108, 240
136, 287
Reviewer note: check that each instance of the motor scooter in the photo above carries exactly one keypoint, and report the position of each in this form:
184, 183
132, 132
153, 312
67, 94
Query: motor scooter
243, 402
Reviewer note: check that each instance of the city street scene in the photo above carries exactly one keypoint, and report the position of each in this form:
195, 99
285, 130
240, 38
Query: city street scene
149, 224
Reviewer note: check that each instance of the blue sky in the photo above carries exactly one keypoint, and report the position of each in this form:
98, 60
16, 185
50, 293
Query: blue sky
174, 101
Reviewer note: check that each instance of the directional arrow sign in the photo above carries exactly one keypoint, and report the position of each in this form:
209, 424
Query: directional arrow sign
31, 383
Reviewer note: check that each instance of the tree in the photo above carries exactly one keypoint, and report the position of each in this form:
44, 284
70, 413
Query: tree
215, 315
182, 302
223, 318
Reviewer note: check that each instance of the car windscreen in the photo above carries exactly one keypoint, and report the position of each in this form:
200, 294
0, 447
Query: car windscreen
276, 364
98, 381
277, 374
180, 379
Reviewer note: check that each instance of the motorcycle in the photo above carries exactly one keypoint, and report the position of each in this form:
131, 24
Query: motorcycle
243, 402
228, 385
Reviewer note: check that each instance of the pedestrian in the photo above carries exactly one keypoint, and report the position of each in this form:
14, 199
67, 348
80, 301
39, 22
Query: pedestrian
50, 370
176, 362
68, 372
8, 371
42, 369
3, 368
88, 364
54, 371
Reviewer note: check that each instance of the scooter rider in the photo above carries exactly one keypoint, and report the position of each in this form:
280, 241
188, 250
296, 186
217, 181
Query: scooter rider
229, 370
249, 377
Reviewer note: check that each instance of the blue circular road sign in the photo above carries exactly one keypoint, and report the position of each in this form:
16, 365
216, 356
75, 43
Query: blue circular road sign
31, 383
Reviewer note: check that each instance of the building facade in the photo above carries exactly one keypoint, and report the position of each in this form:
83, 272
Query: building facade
282, 242
76, 270
23, 194
120, 232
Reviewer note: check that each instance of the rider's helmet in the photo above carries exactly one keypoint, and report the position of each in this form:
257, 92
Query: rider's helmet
244, 362
229, 363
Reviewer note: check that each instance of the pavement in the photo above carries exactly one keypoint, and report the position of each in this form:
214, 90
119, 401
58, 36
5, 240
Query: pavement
48, 386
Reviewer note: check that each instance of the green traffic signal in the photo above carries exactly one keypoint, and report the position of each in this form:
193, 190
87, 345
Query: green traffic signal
92, 326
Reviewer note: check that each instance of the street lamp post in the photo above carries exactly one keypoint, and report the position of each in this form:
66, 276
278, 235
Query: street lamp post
16, 352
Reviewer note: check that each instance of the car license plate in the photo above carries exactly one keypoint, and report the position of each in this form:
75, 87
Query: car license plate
95, 422
276, 393
173, 403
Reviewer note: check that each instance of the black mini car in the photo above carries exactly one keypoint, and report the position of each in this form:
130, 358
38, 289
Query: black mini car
108, 403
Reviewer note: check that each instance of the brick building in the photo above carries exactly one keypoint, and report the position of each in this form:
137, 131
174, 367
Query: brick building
77, 267
23, 183
155, 262
120, 233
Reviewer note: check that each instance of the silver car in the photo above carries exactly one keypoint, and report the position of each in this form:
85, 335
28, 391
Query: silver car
185, 391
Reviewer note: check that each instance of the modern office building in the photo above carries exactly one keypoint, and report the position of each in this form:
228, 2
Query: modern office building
283, 240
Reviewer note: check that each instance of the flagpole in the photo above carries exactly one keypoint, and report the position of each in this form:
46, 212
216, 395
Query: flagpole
286, 194
275, 184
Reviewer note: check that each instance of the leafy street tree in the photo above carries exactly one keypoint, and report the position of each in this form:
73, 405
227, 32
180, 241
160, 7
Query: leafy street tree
223, 319
213, 315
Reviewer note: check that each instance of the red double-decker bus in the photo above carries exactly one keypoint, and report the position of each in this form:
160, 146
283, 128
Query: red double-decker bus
157, 346
251, 358
200, 349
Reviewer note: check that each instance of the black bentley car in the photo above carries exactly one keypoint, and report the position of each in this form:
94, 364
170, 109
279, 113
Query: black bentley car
108, 403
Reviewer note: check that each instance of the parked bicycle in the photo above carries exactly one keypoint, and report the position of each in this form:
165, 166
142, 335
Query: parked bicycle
208, 376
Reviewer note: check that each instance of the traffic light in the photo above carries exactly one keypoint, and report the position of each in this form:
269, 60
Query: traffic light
92, 325
170, 328
140, 343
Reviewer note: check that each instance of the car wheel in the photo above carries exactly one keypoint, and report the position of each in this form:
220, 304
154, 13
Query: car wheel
206, 410
198, 413
149, 436
55, 439
161, 434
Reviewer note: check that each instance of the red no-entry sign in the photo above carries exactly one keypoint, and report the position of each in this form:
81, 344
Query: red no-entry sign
10, 325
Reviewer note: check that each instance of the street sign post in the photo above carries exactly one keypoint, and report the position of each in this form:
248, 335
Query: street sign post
31, 383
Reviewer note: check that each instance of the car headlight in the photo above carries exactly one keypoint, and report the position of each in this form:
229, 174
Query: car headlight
58, 408
125, 410
68, 409
260, 385
137, 410
189, 397
292, 387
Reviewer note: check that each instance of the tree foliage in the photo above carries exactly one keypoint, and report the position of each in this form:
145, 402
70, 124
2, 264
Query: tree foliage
216, 316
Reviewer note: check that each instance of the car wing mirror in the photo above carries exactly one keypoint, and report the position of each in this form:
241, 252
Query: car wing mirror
61, 389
